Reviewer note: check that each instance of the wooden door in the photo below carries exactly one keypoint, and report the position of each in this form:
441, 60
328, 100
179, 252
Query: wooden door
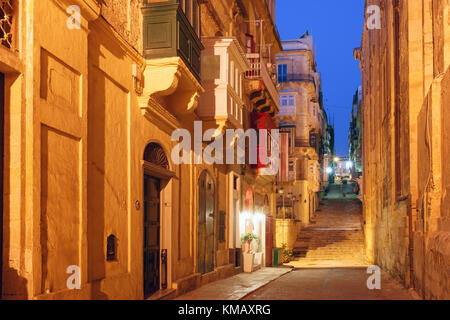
206, 209
269, 240
152, 191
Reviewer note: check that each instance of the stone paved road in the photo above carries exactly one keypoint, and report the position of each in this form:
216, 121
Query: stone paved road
330, 284
331, 264
237, 287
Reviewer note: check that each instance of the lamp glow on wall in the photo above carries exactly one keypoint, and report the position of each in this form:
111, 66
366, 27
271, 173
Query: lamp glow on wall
349, 165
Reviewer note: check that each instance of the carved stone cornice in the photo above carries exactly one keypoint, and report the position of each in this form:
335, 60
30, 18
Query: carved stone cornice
158, 115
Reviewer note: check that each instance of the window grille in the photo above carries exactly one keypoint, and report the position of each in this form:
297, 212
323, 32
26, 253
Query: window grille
6, 23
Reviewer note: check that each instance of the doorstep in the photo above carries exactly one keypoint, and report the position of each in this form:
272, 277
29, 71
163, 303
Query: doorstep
161, 294
236, 287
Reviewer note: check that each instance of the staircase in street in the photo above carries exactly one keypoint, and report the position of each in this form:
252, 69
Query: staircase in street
334, 238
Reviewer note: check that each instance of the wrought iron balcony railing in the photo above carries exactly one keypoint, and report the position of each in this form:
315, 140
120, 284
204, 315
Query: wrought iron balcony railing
6, 23
296, 77
259, 71
254, 60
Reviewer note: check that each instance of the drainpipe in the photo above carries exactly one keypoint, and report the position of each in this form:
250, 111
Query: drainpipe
411, 243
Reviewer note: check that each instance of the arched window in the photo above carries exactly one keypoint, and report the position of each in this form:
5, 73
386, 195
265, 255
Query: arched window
154, 154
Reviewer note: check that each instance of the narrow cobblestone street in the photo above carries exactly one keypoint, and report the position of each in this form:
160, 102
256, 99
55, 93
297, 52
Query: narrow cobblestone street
330, 261
330, 284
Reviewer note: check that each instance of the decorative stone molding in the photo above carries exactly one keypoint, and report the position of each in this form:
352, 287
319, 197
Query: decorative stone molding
170, 79
157, 114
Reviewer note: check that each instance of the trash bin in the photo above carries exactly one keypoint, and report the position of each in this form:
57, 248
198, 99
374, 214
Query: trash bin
276, 253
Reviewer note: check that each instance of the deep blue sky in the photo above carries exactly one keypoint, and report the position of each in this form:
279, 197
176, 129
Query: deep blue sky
336, 27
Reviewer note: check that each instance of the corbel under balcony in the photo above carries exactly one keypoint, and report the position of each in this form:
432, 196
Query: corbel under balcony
171, 81
265, 105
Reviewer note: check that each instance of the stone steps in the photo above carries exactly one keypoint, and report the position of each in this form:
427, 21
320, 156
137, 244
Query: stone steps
333, 244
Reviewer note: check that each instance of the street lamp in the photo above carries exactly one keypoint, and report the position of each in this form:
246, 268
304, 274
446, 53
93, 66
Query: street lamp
337, 159
329, 170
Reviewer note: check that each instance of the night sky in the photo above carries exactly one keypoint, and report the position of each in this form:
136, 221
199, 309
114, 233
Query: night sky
337, 28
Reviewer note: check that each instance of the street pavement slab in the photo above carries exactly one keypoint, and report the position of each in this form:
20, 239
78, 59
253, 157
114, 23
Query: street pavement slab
236, 287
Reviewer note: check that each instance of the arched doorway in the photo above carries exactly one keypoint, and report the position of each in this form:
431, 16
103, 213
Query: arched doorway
206, 211
156, 177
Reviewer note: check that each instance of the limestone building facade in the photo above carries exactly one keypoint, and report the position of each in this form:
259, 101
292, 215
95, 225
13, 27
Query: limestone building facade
405, 84
90, 104
303, 125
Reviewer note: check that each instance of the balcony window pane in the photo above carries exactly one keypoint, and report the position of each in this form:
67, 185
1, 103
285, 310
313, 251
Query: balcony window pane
187, 9
291, 100
282, 73
195, 16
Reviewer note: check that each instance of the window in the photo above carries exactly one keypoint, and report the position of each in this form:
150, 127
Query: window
191, 9
195, 16
282, 73
292, 100
287, 101
187, 8
250, 43
232, 75
235, 182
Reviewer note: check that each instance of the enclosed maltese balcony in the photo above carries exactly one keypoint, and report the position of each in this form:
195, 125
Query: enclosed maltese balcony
223, 68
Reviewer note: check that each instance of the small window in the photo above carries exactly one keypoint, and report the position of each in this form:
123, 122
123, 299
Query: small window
235, 182
187, 9
111, 248
292, 100
195, 16
282, 73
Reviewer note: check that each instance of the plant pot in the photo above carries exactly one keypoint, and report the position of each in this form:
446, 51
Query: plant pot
248, 262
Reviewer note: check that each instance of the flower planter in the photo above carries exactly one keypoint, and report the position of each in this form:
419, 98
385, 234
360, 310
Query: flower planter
248, 262
252, 261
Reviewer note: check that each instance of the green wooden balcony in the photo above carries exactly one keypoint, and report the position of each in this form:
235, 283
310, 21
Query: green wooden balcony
169, 32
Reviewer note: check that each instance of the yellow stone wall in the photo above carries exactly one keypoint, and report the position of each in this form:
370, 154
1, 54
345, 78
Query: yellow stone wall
77, 125
403, 137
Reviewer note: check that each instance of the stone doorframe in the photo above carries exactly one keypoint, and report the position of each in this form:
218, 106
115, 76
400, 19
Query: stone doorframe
166, 199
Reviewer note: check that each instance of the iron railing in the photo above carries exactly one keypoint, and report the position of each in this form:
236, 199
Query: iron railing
6, 23
254, 60
296, 77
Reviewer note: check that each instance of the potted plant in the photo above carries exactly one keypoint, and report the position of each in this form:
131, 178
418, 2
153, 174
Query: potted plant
248, 255
286, 254
247, 240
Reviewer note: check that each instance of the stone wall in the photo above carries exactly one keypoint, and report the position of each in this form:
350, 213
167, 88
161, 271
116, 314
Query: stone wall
405, 82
